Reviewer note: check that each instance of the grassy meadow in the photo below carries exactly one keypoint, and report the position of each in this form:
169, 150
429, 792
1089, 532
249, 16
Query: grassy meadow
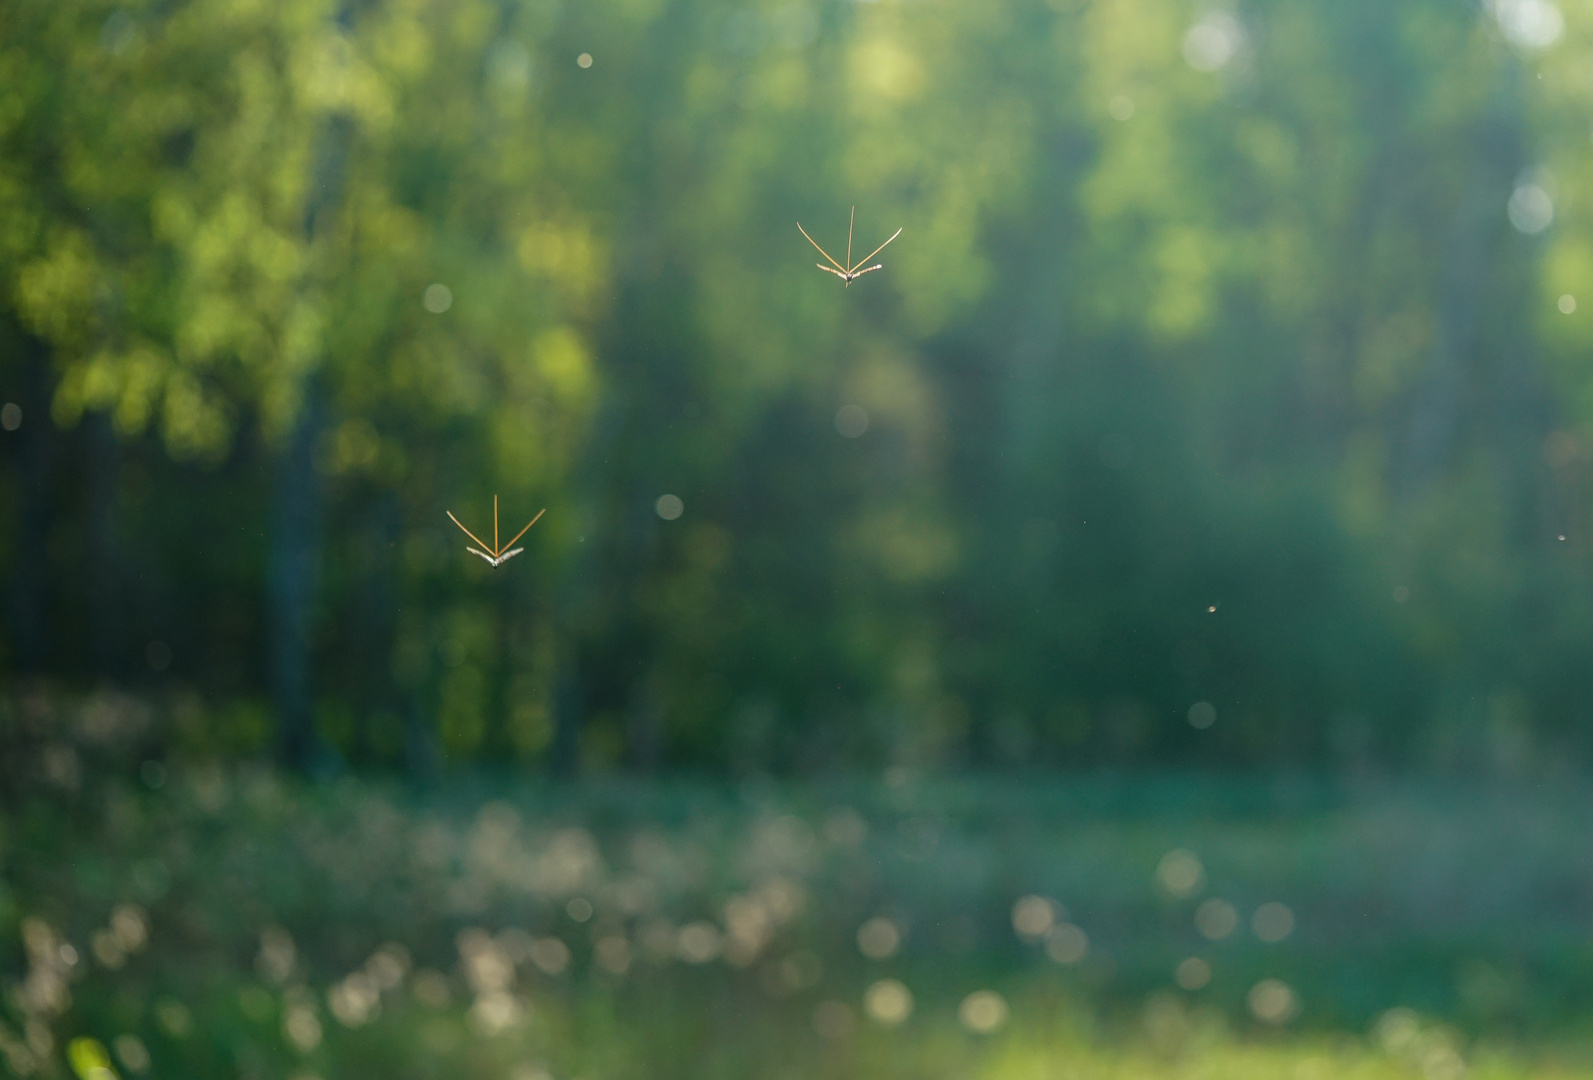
199, 919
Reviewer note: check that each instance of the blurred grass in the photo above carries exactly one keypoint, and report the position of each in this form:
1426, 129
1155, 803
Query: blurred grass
228, 921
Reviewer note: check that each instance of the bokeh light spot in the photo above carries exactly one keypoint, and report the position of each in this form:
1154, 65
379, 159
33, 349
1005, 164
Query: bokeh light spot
879, 938
132, 1053
1216, 919
983, 1011
698, 942
1213, 41
302, 1027
1529, 24
1272, 922
1531, 208
851, 420
1067, 944
11, 416
1180, 873
438, 298
1567, 304
495, 1011
1192, 974
1033, 917
550, 955
889, 1002
1272, 1001
1202, 714
669, 507
584, 60
1397, 1030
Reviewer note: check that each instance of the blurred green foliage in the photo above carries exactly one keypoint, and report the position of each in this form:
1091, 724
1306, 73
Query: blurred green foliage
1223, 359
216, 920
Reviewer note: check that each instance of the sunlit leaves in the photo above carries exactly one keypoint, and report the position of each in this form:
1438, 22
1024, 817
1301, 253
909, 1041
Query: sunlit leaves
56, 290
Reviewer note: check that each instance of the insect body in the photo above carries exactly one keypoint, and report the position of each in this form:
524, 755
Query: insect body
500, 560
849, 272
494, 554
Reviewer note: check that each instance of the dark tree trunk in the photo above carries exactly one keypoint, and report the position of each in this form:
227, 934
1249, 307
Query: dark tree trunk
297, 519
372, 624
34, 444
107, 607
644, 723
569, 707
421, 756
293, 576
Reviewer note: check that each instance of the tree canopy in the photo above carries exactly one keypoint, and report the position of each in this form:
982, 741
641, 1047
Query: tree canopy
1229, 355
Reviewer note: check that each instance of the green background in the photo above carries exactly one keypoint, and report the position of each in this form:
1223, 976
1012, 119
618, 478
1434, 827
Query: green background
1211, 455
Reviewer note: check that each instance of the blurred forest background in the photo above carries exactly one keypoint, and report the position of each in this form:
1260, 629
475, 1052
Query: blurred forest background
1223, 410
1269, 310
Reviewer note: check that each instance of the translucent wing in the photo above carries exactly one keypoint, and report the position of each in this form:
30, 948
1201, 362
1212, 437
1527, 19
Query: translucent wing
507, 555
827, 270
483, 554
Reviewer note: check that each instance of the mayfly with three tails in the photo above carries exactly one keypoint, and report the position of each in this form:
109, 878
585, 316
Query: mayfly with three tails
849, 272
494, 554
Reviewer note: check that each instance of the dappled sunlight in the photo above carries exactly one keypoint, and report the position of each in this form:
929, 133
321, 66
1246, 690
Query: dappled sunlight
1140, 631
506, 930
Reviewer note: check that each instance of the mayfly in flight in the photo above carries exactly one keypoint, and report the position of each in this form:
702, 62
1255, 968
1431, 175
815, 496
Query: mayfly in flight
849, 272
494, 554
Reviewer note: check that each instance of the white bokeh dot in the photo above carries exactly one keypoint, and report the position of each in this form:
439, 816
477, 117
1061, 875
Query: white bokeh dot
1531, 208
438, 298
